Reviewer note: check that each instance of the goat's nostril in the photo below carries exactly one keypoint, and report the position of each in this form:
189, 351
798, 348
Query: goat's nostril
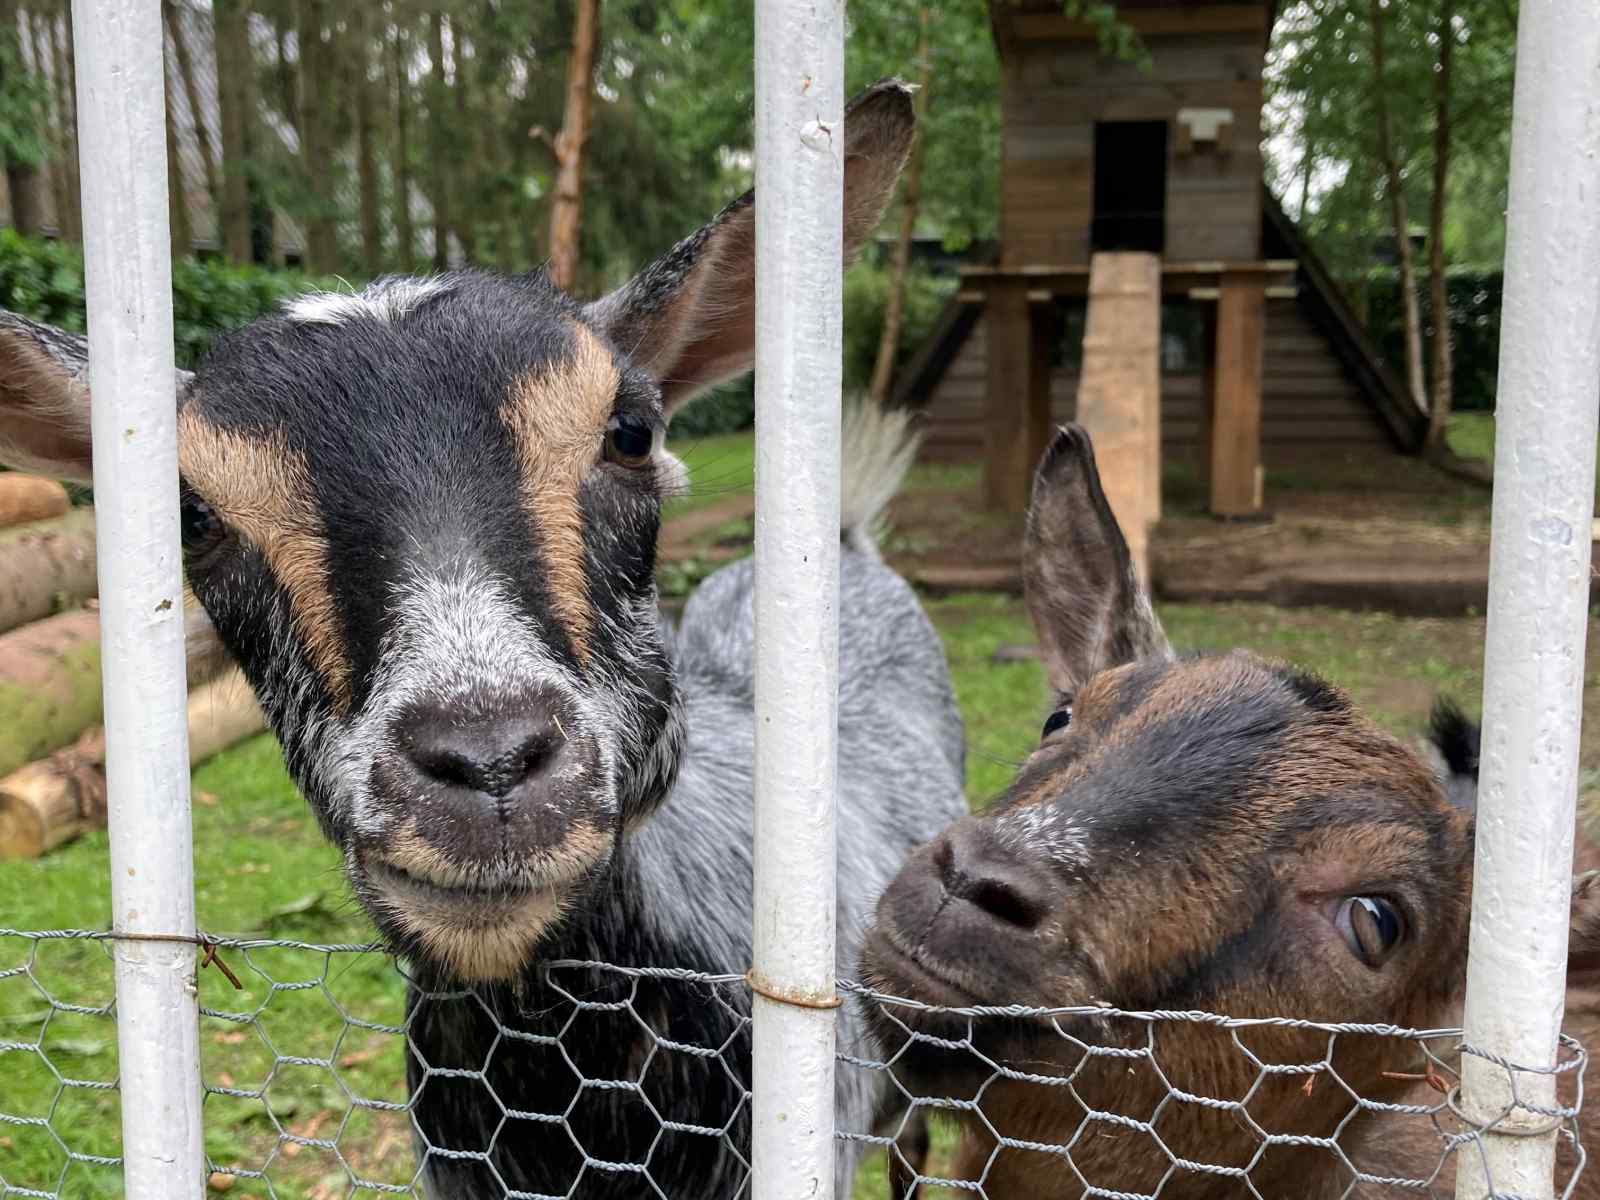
1004, 903
492, 756
1008, 886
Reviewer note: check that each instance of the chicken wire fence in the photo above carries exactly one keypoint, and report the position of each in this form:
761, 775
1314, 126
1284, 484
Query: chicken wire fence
304, 1050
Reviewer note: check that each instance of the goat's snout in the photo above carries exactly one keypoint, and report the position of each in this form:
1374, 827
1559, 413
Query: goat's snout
504, 792
968, 917
1003, 888
494, 755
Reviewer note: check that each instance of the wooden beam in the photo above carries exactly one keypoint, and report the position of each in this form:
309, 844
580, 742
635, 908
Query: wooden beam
1017, 420
1119, 391
1235, 425
1160, 22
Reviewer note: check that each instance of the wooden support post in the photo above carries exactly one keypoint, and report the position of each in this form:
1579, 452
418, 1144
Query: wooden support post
1018, 412
1235, 425
1119, 391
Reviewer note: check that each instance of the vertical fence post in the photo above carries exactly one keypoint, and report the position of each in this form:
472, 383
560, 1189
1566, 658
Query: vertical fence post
799, 286
128, 274
1538, 594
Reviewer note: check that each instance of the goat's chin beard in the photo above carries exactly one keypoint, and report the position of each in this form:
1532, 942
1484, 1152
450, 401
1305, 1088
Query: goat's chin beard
471, 934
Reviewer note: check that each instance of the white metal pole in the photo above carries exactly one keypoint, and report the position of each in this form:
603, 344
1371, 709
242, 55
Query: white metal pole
799, 286
1549, 390
128, 272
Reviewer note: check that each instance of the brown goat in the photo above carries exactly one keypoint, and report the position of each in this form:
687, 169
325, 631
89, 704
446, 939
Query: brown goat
1221, 834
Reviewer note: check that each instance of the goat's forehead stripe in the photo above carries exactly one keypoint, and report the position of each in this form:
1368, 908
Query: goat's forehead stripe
557, 416
262, 489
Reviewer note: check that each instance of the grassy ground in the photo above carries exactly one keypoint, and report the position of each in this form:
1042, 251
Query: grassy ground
263, 870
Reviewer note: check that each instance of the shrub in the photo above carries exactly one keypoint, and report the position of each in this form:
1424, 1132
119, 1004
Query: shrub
1474, 328
44, 280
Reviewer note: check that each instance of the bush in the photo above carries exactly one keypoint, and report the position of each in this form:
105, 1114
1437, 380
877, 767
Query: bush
1474, 329
866, 295
44, 281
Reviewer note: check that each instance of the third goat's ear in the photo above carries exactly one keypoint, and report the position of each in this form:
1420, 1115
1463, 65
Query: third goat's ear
1087, 605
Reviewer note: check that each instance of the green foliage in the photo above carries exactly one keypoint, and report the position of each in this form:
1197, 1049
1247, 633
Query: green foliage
1320, 122
44, 281
22, 99
1474, 298
866, 293
1116, 38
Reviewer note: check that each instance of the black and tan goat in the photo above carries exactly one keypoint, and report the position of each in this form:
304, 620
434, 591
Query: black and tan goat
1216, 833
424, 520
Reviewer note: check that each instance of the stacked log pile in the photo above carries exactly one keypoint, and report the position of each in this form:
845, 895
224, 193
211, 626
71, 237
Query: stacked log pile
52, 750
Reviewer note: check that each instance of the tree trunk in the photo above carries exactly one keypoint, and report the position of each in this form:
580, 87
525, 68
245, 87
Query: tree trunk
366, 150
22, 178
436, 137
235, 73
54, 136
58, 798
191, 95
45, 566
1443, 390
1308, 161
316, 150
401, 165
70, 219
566, 211
464, 219
1390, 159
910, 201
26, 498
177, 194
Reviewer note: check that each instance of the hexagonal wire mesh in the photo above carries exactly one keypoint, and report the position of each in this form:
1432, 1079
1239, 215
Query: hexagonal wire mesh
304, 1051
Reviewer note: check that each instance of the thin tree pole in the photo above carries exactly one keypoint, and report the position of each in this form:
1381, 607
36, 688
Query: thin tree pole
566, 210
1395, 185
35, 23
235, 76
180, 228
191, 95
366, 145
401, 167
910, 202
59, 28
440, 190
1439, 291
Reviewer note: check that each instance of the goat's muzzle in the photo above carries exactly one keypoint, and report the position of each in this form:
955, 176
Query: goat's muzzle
492, 821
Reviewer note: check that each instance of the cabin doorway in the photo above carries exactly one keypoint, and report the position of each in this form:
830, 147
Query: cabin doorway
1130, 186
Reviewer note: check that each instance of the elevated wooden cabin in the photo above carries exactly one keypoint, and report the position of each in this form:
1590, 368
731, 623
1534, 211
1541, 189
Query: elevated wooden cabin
1259, 351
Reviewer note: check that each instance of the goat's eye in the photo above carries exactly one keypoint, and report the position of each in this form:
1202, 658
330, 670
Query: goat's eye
1059, 719
630, 442
1371, 926
202, 530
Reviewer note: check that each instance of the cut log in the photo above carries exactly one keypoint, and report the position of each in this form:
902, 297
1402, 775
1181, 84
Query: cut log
45, 566
50, 681
62, 797
26, 498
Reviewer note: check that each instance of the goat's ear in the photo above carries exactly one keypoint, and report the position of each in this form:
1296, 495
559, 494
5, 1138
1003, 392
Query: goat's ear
1583, 936
1087, 604
689, 317
1454, 738
44, 399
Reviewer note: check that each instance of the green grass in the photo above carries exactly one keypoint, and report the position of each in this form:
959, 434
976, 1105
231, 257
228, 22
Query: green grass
262, 869
719, 466
1471, 435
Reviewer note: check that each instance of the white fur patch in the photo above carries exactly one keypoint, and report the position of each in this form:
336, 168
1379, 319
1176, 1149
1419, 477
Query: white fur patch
1037, 828
461, 639
385, 299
